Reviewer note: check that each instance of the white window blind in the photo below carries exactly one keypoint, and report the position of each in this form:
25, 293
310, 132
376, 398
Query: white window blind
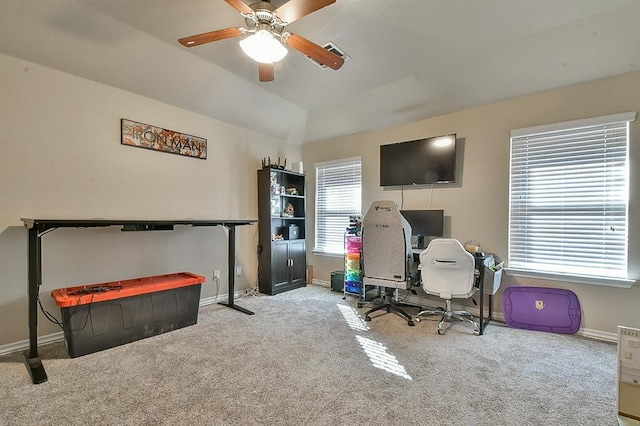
569, 195
338, 195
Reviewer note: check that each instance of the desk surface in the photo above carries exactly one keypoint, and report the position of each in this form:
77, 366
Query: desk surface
96, 222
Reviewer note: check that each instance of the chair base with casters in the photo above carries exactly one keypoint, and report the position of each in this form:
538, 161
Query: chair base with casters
447, 316
391, 306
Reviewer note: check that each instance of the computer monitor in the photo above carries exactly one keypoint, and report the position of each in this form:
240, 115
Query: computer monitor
425, 223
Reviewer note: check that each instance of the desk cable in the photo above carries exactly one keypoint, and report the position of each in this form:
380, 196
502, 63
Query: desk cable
49, 316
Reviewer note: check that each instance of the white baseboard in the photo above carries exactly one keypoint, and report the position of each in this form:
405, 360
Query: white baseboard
598, 335
24, 344
321, 283
58, 336
215, 299
497, 316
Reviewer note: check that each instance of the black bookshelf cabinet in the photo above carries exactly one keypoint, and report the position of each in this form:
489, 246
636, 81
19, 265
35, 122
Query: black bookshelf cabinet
282, 229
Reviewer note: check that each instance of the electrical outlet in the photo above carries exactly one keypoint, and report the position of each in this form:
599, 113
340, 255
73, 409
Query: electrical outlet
238, 270
216, 274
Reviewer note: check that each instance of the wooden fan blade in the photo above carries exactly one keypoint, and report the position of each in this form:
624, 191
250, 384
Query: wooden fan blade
266, 72
311, 49
296, 9
239, 5
203, 38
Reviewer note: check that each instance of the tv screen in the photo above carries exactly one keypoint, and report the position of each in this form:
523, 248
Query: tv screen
419, 162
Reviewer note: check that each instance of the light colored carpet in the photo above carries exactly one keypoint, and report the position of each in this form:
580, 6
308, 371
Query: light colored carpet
306, 358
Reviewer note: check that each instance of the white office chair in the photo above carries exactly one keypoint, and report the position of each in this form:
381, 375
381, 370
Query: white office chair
448, 271
386, 255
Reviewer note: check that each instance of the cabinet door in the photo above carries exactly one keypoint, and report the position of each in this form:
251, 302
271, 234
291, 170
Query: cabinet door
280, 262
298, 257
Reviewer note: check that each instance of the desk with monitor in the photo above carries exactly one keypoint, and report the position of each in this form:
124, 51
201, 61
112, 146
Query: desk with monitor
430, 224
424, 224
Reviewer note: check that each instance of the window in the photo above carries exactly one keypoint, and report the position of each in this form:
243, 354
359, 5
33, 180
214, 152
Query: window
568, 196
338, 195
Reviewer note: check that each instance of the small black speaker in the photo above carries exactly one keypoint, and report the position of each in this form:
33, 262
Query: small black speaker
337, 281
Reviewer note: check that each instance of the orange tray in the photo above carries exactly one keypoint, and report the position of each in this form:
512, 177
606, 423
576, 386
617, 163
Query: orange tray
92, 293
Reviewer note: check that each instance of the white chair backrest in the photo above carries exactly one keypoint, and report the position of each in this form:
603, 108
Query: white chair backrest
386, 242
447, 269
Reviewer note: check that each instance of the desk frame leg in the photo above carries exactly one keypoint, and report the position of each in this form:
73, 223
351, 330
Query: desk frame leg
34, 364
232, 272
482, 321
485, 321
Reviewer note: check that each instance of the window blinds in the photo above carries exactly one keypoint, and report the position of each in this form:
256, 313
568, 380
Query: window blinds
338, 195
569, 197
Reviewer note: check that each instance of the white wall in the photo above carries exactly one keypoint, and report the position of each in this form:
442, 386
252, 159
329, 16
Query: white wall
477, 209
61, 157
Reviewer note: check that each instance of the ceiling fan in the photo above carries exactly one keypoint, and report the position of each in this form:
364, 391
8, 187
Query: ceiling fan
265, 34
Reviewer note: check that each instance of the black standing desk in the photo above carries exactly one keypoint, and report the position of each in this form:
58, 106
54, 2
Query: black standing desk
39, 227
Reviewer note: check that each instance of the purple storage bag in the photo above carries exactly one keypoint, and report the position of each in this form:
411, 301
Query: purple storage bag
543, 309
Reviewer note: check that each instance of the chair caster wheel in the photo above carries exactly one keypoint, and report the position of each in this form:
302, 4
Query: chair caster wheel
367, 318
411, 323
441, 332
359, 305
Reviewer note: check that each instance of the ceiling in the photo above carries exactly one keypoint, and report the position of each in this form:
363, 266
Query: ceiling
410, 59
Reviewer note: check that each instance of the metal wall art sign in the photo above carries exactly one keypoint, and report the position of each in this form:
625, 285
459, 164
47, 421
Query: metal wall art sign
151, 137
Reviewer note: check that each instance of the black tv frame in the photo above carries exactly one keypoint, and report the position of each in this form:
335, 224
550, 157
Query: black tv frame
419, 162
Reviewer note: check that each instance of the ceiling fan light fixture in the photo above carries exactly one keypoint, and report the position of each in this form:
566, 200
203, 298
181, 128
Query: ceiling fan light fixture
263, 47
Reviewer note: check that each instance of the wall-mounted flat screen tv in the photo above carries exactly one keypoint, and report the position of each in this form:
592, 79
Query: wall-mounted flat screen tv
419, 162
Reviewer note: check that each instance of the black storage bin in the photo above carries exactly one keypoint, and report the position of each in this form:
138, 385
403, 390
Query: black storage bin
337, 281
102, 316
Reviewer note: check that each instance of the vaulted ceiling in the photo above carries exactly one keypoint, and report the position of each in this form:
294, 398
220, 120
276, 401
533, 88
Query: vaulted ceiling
409, 59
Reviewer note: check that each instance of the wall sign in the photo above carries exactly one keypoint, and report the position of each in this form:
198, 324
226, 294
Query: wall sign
158, 139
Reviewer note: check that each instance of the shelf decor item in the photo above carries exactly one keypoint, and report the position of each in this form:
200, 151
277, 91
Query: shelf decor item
275, 206
289, 210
